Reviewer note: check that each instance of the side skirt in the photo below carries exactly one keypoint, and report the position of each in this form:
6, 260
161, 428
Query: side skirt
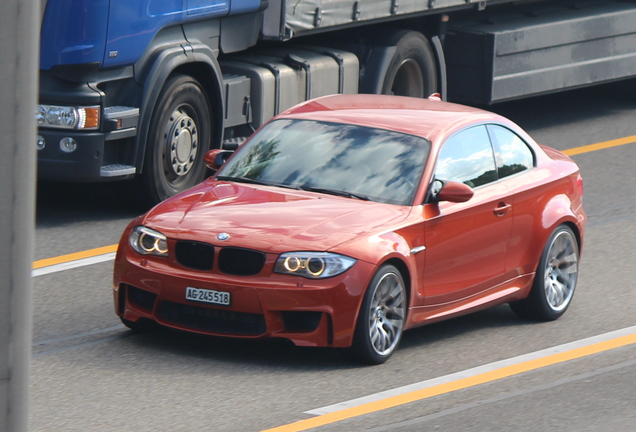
514, 289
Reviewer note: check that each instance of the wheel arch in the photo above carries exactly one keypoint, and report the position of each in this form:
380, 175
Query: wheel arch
558, 211
383, 51
404, 272
401, 266
201, 64
577, 233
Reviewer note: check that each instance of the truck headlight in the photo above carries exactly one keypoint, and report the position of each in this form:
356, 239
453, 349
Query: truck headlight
313, 265
63, 117
146, 241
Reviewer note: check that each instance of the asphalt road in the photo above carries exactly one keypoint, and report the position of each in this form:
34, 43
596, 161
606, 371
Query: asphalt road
91, 374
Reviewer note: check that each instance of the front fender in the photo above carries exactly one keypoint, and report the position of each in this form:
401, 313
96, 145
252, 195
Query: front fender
199, 62
394, 248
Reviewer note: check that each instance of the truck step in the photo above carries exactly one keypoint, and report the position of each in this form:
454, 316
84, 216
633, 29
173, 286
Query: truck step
233, 143
116, 170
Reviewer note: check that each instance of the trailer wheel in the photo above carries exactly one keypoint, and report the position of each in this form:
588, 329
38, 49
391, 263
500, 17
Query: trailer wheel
412, 70
180, 133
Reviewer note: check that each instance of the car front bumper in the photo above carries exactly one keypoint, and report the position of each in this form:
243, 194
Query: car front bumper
320, 312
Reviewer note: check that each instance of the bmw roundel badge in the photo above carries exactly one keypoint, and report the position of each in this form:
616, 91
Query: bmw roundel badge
223, 236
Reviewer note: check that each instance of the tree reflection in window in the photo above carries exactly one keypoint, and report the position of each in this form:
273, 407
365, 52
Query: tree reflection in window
382, 165
467, 157
513, 154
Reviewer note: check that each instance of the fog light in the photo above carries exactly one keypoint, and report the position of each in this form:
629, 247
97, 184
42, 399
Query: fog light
41, 143
68, 145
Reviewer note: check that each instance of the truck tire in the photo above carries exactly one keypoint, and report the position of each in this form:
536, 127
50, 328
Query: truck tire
412, 71
180, 133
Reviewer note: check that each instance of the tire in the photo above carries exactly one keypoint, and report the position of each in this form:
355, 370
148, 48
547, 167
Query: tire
381, 318
412, 70
555, 280
180, 133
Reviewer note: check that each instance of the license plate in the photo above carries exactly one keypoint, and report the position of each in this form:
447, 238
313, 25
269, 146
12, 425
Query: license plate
208, 296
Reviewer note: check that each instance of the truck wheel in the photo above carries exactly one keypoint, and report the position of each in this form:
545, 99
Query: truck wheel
180, 133
412, 70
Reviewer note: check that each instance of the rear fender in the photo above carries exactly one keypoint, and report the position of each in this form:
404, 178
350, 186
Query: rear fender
557, 211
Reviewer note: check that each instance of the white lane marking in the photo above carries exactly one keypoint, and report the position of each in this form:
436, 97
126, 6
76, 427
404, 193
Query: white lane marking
513, 394
472, 372
73, 264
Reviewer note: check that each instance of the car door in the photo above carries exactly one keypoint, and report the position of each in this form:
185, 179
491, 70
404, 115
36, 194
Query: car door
466, 243
528, 191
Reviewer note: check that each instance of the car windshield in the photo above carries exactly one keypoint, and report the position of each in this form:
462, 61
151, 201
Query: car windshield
340, 159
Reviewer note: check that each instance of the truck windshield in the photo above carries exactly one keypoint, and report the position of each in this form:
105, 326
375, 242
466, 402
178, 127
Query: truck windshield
341, 159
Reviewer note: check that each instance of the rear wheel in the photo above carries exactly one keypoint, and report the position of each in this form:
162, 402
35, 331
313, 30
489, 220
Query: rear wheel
555, 280
180, 133
412, 70
381, 319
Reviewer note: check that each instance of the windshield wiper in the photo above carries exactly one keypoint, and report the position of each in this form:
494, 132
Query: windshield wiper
252, 181
241, 180
335, 192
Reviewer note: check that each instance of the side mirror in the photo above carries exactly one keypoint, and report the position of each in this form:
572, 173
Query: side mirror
451, 191
214, 159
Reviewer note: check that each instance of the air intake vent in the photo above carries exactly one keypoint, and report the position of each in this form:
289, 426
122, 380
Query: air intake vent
241, 262
195, 255
212, 320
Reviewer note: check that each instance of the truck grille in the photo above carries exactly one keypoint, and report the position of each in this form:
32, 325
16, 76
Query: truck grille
212, 320
195, 255
241, 262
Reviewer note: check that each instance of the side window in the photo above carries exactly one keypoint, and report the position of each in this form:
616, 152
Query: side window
467, 157
513, 154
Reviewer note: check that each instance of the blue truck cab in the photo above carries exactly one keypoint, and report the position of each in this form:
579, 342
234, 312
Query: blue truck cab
109, 72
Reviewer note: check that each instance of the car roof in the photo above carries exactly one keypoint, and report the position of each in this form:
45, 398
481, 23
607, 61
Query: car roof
429, 118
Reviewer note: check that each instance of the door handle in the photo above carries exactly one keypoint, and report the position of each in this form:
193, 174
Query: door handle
502, 208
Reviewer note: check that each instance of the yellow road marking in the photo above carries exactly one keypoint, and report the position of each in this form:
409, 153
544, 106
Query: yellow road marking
600, 146
74, 256
459, 384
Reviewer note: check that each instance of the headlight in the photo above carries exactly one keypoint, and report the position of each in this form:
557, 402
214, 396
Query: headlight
313, 265
147, 241
62, 117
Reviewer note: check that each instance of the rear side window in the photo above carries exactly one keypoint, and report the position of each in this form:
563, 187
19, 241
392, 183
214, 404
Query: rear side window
467, 157
512, 153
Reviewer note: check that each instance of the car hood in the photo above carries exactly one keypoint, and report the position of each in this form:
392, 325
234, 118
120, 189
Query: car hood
269, 219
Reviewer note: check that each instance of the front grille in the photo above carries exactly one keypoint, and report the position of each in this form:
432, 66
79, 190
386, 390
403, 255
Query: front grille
195, 255
212, 320
241, 262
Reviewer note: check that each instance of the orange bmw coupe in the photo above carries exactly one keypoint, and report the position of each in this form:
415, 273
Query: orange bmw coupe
348, 219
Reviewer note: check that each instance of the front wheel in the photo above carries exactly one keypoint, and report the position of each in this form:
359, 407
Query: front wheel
381, 319
555, 280
180, 133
